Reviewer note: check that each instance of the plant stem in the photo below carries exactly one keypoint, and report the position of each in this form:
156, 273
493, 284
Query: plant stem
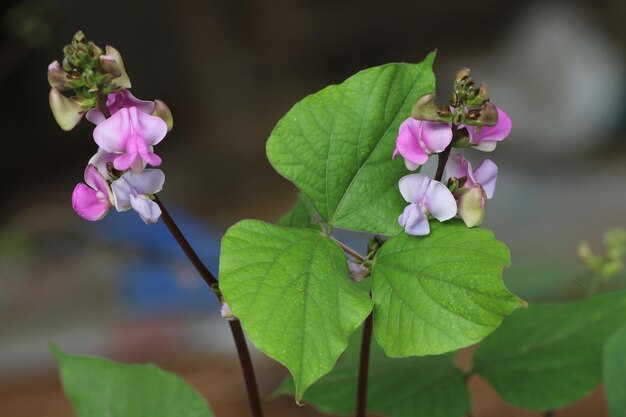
549, 413
443, 157
235, 326
361, 399
356, 255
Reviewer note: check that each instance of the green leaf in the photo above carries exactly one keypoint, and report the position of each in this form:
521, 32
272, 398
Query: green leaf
291, 291
300, 215
429, 386
441, 292
97, 387
549, 356
615, 372
336, 145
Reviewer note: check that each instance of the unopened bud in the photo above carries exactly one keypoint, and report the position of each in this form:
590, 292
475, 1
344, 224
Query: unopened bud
471, 206
458, 118
483, 92
489, 115
226, 313
461, 138
462, 74
110, 65
66, 111
57, 76
121, 81
78, 38
356, 271
161, 110
425, 108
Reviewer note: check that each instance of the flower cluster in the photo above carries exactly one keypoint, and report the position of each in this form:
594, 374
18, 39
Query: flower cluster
470, 120
127, 129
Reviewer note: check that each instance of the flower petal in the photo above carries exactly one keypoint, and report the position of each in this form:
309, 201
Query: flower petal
66, 111
414, 221
148, 210
122, 192
149, 181
407, 143
486, 175
95, 180
88, 203
100, 160
413, 187
439, 201
435, 136
113, 133
486, 146
151, 128
459, 167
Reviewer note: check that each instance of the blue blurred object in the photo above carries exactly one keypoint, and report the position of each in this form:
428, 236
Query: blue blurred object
149, 283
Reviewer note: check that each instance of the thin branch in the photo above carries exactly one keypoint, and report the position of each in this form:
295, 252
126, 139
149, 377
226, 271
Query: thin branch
443, 157
356, 255
549, 413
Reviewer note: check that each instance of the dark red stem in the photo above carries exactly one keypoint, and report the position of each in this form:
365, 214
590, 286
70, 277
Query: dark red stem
366, 343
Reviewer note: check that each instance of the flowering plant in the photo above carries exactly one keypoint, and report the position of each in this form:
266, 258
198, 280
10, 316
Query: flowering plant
427, 285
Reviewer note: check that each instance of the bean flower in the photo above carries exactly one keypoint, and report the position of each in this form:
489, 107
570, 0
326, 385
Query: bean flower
130, 134
418, 139
135, 190
479, 185
92, 200
427, 197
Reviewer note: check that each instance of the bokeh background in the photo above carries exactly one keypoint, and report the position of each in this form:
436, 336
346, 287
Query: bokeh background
229, 70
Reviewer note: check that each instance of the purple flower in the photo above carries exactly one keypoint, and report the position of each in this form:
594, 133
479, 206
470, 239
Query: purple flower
487, 137
134, 190
92, 201
486, 174
130, 133
427, 197
418, 139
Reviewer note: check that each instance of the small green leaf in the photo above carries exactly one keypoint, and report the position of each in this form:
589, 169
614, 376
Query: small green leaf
101, 388
441, 292
429, 386
336, 145
549, 356
291, 291
615, 372
300, 215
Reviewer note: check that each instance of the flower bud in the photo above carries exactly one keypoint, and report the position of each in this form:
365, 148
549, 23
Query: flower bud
489, 115
78, 38
471, 206
226, 313
161, 110
113, 63
425, 108
461, 138
66, 111
356, 271
57, 76
483, 92
462, 75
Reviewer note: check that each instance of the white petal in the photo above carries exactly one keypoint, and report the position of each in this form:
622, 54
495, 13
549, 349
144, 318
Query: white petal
412, 187
440, 202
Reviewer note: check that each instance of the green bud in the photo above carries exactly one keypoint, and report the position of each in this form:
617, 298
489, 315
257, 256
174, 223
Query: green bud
66, 111
471, 206
483, 92
425, 108
161, 110
78, 38
459, 116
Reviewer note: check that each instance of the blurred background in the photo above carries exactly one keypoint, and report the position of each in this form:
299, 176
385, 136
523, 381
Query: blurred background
229, 70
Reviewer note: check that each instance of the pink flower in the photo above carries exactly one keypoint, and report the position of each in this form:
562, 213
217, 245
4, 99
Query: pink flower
117, 101
486, 174
131, 134
427, 197
488, 137
135, 189
92, 201
418, 139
